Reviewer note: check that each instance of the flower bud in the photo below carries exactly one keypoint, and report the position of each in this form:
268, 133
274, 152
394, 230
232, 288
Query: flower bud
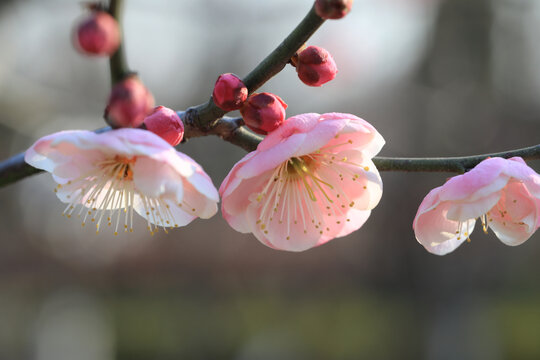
129, 103
263, 112
229, 92
98, 34
165, 123
333, 9
315, 66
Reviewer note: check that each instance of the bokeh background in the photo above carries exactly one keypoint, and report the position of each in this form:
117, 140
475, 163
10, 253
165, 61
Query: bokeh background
437, 78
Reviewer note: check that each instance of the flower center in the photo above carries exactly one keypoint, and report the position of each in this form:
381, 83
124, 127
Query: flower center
107, 192
310, 192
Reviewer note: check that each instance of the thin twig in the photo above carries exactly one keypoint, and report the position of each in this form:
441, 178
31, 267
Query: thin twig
450, 164
206, 115
117, 62
231, 130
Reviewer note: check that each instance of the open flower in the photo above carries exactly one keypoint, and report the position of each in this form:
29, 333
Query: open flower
309, 181
503, 193
104, 177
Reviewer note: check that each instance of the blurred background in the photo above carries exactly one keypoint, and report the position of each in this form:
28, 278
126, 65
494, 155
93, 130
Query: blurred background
436, 78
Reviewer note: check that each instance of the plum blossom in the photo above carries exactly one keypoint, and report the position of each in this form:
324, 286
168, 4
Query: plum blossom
104, 178
503, 193
309, 181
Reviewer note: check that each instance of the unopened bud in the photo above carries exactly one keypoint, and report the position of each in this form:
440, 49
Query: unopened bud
333, 9
263, 112
129, 103
315, 66
229, 92
98, 34
166, 123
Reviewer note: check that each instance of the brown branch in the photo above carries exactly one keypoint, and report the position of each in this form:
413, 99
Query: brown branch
117, 62
204, 116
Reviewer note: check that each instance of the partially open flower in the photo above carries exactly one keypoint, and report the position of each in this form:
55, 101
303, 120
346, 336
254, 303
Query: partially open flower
504, 194
129, 103
229, 92
315, 66
166, 123
333, 9
98, 34
309, 181
104, 177
263, 112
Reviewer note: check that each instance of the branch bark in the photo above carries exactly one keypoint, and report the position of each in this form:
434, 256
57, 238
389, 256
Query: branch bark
207, 114
231, 130
117, 62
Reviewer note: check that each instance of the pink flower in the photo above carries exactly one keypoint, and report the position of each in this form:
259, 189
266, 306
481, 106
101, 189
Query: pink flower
166, 123
309, 181
104, 177
503, 194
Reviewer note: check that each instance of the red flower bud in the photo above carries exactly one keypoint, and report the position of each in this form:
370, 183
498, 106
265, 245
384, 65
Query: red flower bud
129, 103
263, 112
98, 34
315, 66
165, 123
333, 9
229, 92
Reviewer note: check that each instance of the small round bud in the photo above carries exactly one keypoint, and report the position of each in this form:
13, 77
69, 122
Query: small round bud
229, 92
315, 66
263, 112
333, 9
129, 102
98, 34
165, 123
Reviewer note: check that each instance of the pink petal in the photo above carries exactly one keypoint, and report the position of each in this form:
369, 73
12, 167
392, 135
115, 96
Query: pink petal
515, 217
200, 180
199, 203
299, 124
486, 178
364, 136
437, 233
357, 219
231, 181
363, 191
235, 202
518, 169
263, 161
154, 178
465, 210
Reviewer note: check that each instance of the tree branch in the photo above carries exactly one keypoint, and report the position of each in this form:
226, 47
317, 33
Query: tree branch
450, 164
233, 131
205, 115
117, 62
